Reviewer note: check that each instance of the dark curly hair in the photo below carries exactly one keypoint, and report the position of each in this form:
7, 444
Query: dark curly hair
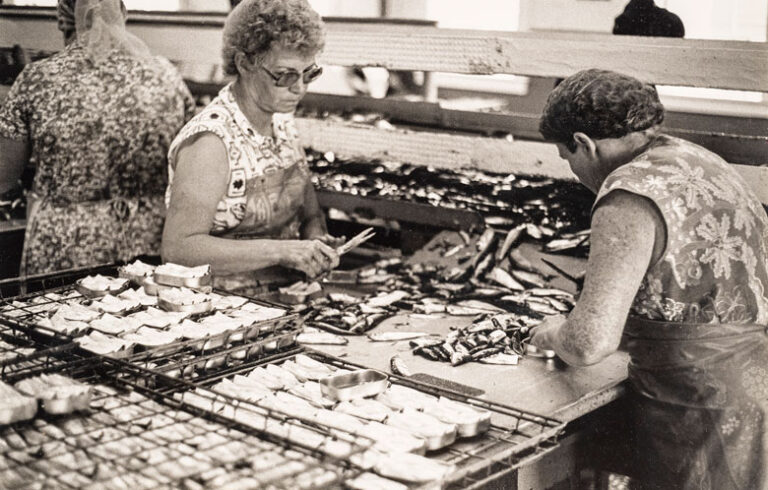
600, 104
255, 26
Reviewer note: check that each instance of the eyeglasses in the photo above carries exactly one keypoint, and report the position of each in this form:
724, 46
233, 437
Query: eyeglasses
289, 77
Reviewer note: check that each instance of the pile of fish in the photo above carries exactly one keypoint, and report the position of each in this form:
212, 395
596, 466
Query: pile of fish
126, 440
559, 208
484, 276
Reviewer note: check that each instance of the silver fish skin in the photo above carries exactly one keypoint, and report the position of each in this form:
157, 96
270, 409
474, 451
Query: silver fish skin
397, 366
395, 336
510, 240
321, 338
549, 292
485, 240
502, 359
500, 276
545, 309
528, 278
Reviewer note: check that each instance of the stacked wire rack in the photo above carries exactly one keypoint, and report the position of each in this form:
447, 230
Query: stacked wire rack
163, 417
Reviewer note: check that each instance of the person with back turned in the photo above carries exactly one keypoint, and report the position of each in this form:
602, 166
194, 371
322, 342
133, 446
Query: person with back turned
95, 121
679, 266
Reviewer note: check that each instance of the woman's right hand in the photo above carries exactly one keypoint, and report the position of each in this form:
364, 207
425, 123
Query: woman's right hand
312, 257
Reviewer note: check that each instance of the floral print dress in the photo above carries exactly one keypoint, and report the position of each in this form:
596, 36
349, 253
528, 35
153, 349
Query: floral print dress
697, 334
98, 137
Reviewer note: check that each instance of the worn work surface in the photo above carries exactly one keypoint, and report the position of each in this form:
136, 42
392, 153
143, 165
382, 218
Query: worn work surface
545, 387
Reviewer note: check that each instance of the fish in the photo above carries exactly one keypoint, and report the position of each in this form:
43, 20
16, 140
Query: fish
533, 231
395, 336
485, 352
545, 309
387, 299
398, 366
510, 240
485, 240
520, 262
483, 266
502, 277
499, 221
453, 251
530, 278
425, 342
549, 292
501, 358
427, 352
562, 244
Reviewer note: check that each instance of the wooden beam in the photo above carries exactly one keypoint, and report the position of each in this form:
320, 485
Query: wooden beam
690, 62
719, 64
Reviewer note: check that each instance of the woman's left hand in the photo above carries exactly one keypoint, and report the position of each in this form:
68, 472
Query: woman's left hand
544, 335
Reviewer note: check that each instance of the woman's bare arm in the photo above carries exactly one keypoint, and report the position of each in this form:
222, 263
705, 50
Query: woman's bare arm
200, 179
625, 227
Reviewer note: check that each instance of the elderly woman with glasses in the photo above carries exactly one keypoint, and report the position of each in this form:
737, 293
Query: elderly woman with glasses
240, 196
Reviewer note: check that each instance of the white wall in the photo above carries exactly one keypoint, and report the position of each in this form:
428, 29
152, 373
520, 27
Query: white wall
569, 15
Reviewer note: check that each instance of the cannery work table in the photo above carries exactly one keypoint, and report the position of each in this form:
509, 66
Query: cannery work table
545, 387
580, 396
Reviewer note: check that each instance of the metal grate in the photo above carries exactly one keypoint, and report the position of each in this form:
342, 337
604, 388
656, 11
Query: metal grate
515, 437
24, 312
138, 435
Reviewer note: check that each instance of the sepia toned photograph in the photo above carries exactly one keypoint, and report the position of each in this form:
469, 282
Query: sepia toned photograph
384, 244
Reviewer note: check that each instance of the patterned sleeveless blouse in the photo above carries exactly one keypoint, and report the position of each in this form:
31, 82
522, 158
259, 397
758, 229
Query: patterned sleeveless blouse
713, 268
266, 175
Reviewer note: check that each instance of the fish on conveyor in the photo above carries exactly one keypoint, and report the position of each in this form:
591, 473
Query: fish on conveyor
395, 336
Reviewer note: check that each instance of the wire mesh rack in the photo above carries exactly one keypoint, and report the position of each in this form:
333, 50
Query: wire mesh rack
515, 437
139, 433
44, 295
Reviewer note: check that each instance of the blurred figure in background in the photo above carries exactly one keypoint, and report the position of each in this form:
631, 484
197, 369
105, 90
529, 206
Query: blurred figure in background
644, 18
96, 121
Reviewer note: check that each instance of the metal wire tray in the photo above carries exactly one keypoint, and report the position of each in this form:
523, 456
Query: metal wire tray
23, 311
137, 434
515, 437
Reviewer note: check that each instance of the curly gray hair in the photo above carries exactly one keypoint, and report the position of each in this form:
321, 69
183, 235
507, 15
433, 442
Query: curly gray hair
256, 26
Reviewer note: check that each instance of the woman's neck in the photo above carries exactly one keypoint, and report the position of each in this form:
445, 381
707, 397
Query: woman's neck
260, 119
